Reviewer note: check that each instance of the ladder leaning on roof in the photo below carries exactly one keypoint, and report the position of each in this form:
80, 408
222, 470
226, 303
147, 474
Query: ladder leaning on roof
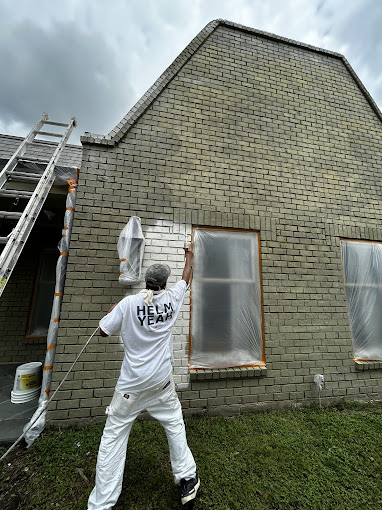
15, 241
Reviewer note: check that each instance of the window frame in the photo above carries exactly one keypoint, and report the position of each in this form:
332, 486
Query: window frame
262, 363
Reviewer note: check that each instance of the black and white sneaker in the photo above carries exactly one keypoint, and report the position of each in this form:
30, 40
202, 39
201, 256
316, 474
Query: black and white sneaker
189, 489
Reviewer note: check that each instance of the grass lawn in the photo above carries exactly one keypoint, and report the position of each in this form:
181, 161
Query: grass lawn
328, 458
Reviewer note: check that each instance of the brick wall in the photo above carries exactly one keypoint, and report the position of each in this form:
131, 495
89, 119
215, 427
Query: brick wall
252, 132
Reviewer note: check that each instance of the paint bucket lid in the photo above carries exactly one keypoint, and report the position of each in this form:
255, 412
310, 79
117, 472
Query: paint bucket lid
19, 397
27, 392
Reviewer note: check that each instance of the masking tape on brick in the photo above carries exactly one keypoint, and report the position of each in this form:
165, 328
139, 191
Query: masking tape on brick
72, 183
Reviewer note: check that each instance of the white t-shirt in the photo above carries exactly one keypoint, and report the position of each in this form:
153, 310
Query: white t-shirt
146, 334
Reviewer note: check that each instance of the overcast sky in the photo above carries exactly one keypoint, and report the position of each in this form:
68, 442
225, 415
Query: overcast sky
93, 59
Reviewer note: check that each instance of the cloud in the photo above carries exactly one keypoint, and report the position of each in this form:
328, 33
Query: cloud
63, 70
94, 59
359, 29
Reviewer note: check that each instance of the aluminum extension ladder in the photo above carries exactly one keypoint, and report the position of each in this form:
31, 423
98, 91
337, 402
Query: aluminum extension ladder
15, 241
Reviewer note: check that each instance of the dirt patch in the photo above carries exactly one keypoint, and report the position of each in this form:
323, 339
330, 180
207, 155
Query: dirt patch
14, 480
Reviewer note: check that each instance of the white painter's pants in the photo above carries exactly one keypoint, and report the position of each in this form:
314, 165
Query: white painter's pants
162, 403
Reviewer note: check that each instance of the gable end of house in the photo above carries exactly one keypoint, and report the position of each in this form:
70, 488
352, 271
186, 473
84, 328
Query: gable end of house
171, 72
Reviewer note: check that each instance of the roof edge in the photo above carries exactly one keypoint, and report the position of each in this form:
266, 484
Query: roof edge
44, 142
165, 78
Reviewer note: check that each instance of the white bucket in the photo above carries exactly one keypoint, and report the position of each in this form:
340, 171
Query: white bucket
27, 383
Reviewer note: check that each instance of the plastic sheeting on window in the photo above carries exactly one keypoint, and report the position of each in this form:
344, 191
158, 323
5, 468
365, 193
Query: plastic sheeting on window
226, 321
363, 279
43, 295
130, 247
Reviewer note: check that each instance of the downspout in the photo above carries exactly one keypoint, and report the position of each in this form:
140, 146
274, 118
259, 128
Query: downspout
62, 262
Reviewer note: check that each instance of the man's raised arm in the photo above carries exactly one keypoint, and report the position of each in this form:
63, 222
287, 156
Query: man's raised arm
187, 266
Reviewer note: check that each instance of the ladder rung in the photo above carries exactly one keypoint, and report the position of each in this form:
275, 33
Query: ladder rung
46, 133
16, 173
22, 159
52, 123
24, 176
3, 240
10, 215
15, 193
34, 180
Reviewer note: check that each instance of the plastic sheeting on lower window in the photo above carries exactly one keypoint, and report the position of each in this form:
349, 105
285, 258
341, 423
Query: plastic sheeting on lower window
226, 319
363, 279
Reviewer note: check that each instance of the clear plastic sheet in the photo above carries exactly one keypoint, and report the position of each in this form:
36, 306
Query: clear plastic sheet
35, 430
226, 317
363, 279
130, 247
63, 173
43, 297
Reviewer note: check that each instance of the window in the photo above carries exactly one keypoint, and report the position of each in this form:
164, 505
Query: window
226, 317
363, 280
43, 294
